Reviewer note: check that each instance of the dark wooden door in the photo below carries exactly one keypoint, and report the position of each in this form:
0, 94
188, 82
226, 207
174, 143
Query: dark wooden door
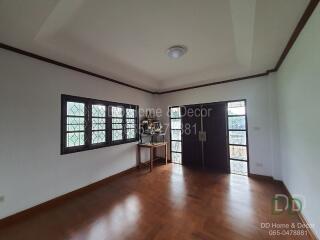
204, 136
191, 146
215, 150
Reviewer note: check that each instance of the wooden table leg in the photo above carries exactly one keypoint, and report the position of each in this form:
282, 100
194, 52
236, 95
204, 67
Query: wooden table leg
139, 157
166, 152
151, 159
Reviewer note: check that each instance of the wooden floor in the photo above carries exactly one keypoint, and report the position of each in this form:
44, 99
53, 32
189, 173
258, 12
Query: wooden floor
172, 202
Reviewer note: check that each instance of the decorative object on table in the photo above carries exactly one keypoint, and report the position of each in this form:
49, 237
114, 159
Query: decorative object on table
151, 129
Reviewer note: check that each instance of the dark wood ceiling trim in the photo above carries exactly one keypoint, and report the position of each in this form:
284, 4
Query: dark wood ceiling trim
303, 20
220, 82
301, 24
48, 60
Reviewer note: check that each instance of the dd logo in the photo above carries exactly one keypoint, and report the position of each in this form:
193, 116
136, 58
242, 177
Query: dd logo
282, 203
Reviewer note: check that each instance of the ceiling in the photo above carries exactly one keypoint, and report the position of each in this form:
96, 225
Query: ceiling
127, 40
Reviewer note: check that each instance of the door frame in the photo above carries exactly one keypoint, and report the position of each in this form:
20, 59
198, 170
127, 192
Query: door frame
247, 132
170, 141
227, 134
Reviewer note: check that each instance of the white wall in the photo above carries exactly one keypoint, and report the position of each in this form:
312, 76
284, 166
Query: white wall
298, 85
33, 171
31, 168
260, 114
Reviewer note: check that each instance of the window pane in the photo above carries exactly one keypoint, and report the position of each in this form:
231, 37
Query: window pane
75, 139
237, 137
75, 120
175, 112
175, 123
98, 111
237, 123
117, 112
116, 135
98, 137
116, 120
130, 123
130, 113
75, 109
75, 124
130, 126
98, 126
176, 157
98, 123
236, 108
238, 152
116, 126
98, 120
72, 128
130, 120
176, 146
176, 135
131, 133
238, 167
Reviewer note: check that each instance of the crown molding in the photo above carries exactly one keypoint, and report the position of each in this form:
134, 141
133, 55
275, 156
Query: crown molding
220, 82
302, 22
64, 65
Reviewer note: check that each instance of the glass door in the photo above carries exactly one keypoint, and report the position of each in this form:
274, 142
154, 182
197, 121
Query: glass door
238, 137
175, 135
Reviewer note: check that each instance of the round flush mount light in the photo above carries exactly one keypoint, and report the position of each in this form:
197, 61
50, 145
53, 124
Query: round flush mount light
176, 52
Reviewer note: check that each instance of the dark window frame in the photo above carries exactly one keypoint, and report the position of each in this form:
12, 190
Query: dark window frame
170, 129
135, 124
122, 122
88, 124
246, 130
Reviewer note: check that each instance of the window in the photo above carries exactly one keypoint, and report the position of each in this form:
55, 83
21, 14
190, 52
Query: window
237, 135
117, 123
176, 132
98, 127
76, 123
89, 123
131, 124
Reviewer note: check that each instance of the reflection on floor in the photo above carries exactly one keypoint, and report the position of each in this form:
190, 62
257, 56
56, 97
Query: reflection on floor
172, 202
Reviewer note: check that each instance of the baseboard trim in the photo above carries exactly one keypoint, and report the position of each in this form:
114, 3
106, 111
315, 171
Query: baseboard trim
58, 200
310, 231
300, 215
261, 177
302, 218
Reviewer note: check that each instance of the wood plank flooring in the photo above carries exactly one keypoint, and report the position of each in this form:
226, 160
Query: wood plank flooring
172, 202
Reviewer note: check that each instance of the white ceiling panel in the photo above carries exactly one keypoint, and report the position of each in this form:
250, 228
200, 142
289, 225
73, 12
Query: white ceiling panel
127, 40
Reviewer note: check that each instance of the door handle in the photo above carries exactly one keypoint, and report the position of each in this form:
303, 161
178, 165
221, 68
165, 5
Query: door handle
202, 136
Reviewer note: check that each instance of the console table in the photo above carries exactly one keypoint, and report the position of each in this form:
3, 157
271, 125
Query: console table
152, 147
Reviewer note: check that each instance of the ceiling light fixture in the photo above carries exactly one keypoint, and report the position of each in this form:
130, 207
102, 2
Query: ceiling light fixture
176, 52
